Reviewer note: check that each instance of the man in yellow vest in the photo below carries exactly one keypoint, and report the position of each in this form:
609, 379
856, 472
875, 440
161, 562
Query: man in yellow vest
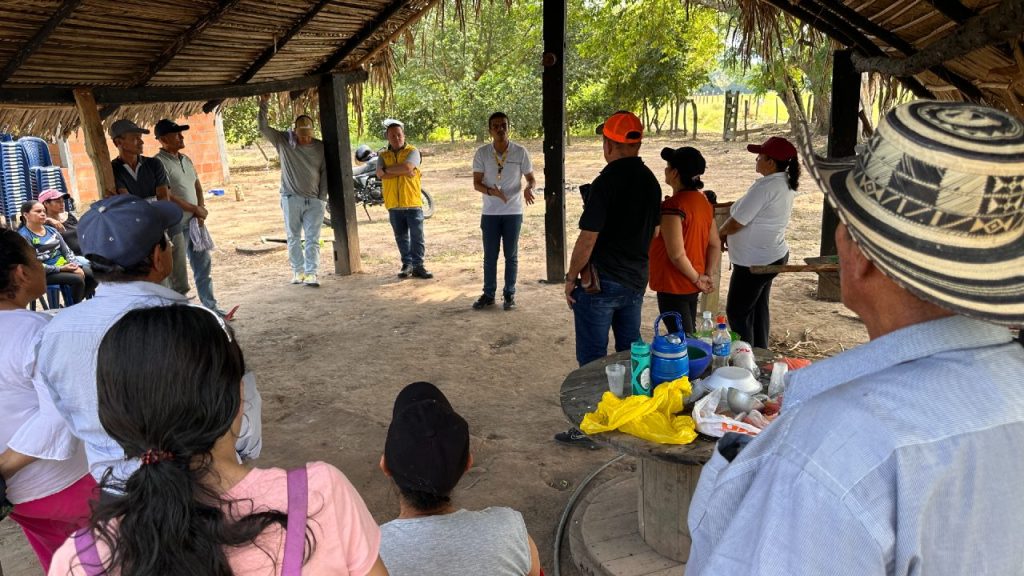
399, 173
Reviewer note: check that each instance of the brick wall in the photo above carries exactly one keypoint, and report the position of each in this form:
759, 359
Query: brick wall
201, 145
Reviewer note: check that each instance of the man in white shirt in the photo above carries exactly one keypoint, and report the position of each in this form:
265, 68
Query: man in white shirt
498, 172
125, 238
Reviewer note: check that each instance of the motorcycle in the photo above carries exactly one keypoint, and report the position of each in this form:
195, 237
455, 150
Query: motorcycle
368, 189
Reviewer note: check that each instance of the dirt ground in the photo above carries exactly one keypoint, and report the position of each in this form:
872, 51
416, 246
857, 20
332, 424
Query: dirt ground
330, 361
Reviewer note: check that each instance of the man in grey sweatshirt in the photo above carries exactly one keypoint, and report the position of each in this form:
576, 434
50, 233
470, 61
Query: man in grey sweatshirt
303, 191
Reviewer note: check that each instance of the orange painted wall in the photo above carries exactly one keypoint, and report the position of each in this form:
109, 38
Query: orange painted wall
200, 145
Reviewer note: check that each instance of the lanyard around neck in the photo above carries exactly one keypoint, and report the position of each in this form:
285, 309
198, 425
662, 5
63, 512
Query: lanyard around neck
500, 161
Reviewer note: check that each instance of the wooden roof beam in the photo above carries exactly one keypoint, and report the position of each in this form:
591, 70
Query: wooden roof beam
272, 50
368, 30
892, 39
159, 94
953, 10
179, 44
37, 40
1003, 23
846, 34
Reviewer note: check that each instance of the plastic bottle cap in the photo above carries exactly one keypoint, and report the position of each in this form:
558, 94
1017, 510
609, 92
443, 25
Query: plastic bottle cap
721, 326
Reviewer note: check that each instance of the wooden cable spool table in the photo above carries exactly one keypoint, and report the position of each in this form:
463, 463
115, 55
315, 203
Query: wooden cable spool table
634, 524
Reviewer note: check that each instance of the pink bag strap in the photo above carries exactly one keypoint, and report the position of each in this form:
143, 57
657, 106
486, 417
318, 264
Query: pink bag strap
88, 556
295, 534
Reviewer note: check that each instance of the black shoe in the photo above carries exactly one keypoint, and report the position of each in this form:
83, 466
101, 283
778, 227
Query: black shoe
405, 271
573, 437
508, 302
483, 302
421, 272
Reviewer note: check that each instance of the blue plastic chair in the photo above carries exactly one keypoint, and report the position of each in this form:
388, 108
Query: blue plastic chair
14, 180
44, 177
37, 151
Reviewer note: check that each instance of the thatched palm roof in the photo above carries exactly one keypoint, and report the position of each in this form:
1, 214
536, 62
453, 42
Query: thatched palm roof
945, 49
134, 51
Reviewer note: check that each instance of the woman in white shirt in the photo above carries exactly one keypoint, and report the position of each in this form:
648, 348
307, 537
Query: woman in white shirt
42, 465
755, 235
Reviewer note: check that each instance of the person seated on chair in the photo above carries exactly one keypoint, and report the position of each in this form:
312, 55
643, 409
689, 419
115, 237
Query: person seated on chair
65, 222
192, 507
425, 454
60, 262
43, 469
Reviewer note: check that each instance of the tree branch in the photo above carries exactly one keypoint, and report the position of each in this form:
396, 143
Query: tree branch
1002, 23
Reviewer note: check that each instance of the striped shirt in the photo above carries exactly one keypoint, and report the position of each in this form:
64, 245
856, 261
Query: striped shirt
901, 456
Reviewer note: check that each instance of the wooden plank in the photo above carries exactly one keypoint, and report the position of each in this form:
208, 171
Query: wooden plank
158, 94
664, 504
37, 40
270, 51
553, 120
222, 147
794, 268
333, 94
95, 141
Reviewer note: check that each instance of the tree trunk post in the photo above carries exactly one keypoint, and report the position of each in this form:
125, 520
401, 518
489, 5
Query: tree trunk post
341, 195
553, 118
842, 138
95, 142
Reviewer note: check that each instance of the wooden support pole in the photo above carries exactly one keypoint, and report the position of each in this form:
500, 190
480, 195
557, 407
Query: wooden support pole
553, 117
341, 195
95, 141
842, 139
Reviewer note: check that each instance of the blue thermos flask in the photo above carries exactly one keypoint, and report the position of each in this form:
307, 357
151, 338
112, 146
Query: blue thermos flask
669, 359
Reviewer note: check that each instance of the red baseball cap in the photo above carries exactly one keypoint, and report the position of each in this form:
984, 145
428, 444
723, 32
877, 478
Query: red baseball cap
623, 127
775, 148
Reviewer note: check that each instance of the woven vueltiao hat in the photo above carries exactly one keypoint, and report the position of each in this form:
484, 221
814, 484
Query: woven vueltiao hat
937, 203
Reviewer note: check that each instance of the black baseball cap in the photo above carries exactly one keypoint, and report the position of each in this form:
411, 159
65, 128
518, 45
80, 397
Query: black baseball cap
427, 445
166, 126
686, 160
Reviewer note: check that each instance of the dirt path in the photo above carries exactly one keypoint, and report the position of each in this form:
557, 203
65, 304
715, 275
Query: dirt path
330, 361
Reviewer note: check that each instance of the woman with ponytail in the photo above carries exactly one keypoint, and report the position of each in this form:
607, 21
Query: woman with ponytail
685, 251
755, 235
191, 507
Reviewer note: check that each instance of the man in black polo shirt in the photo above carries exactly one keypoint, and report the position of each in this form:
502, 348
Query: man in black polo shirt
620, 212
134, 173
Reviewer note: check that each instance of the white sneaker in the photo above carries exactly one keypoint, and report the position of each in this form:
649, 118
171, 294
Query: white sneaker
298, 277
311, 281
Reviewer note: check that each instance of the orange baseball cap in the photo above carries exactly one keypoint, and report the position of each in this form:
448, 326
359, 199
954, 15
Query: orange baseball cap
623, 127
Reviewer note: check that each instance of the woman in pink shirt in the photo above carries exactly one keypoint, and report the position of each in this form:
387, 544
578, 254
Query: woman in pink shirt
170, 393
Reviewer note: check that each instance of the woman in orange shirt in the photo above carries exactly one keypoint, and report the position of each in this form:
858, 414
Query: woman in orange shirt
685, 251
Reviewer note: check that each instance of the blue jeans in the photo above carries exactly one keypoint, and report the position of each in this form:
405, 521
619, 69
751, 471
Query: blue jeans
501, 232
616, 307
201, 263
303, 216
407, 223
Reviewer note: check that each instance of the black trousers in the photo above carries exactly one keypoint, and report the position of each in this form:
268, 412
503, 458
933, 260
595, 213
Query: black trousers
685, 304
747, 306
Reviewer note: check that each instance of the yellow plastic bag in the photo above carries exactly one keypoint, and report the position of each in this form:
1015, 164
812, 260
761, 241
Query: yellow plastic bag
651, 418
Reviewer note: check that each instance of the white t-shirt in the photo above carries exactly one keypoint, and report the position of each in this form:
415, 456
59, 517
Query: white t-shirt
764, 212
516, 163
29, 422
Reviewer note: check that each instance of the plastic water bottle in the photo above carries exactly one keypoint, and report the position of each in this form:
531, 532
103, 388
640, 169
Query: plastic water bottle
721, 346
640, 361
707, 328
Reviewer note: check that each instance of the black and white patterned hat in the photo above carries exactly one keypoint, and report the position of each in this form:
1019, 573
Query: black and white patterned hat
937, 203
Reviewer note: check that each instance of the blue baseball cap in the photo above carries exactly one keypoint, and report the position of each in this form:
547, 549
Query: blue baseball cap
124, 228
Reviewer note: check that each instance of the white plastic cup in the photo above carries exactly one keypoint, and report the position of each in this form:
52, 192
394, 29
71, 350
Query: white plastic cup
616, 374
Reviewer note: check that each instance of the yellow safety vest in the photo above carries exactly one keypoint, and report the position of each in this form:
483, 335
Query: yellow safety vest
402, 191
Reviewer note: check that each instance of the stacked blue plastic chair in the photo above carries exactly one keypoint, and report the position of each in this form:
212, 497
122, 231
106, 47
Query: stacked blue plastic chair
15, 181
37, 151
45, 177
